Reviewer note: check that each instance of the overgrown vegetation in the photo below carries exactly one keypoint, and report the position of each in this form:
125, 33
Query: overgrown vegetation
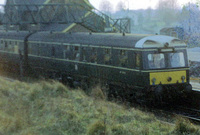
184, 126
50, 108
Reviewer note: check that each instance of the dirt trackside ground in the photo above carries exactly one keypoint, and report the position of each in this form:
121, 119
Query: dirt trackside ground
50, 108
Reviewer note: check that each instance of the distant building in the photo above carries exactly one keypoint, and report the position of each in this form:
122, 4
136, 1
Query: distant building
177, 32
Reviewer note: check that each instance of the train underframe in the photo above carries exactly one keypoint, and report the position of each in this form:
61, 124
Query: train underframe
169, 94
153, 95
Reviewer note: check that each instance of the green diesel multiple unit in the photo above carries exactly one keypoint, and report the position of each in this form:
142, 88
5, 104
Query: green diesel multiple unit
140, 64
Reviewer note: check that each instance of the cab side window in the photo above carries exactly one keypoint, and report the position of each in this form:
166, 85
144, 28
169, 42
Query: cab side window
137, 60
93, 56
123, 58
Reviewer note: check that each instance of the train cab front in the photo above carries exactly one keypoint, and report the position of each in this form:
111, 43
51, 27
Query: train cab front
165, 67
168, 71
165, 64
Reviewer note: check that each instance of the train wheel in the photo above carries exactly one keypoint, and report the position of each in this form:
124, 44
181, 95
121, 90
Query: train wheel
110, 92
113, 93
86, 86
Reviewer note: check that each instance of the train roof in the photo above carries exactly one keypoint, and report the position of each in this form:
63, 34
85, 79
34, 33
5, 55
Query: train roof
14, 35
109, 39
140, 41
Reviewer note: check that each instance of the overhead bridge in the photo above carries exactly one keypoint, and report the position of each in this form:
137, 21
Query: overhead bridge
25, 16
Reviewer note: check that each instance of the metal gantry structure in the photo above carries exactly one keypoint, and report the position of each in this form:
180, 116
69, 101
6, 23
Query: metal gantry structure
56, 13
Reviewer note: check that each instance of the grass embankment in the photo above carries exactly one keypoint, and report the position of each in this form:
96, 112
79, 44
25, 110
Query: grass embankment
50, 108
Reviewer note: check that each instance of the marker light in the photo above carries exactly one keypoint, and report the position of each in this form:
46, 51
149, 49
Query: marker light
169, 79
182, 78
153, 81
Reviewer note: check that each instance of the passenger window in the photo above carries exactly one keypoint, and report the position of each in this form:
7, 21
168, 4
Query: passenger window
137, 60
107, 56
76, 55
66, 52
6, 45
156, 61
67, 48
16, 49
10, 47
1, 46
84, 54
93, 57
123, 58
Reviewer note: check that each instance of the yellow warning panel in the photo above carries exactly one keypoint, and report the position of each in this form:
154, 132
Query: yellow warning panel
167, 77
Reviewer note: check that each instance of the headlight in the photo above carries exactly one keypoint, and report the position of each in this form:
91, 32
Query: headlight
154, 80
182, 78
169, 79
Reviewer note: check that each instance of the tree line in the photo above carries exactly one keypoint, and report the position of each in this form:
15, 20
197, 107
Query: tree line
167, 14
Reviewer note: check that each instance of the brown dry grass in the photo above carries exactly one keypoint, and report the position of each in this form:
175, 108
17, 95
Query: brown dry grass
50, 108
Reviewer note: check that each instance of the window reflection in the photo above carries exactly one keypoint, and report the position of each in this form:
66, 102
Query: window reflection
177, 59
123, 58
156, 61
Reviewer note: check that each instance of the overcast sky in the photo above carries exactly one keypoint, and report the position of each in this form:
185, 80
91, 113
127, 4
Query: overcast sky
2, 1
137, 4
133, 4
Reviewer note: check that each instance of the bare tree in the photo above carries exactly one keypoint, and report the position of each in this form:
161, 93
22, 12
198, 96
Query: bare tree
140, 19
120, 6
105, 6
148, 14
167, 11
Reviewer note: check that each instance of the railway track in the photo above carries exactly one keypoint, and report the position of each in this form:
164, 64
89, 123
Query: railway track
169, 113
189, 113
191, 110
